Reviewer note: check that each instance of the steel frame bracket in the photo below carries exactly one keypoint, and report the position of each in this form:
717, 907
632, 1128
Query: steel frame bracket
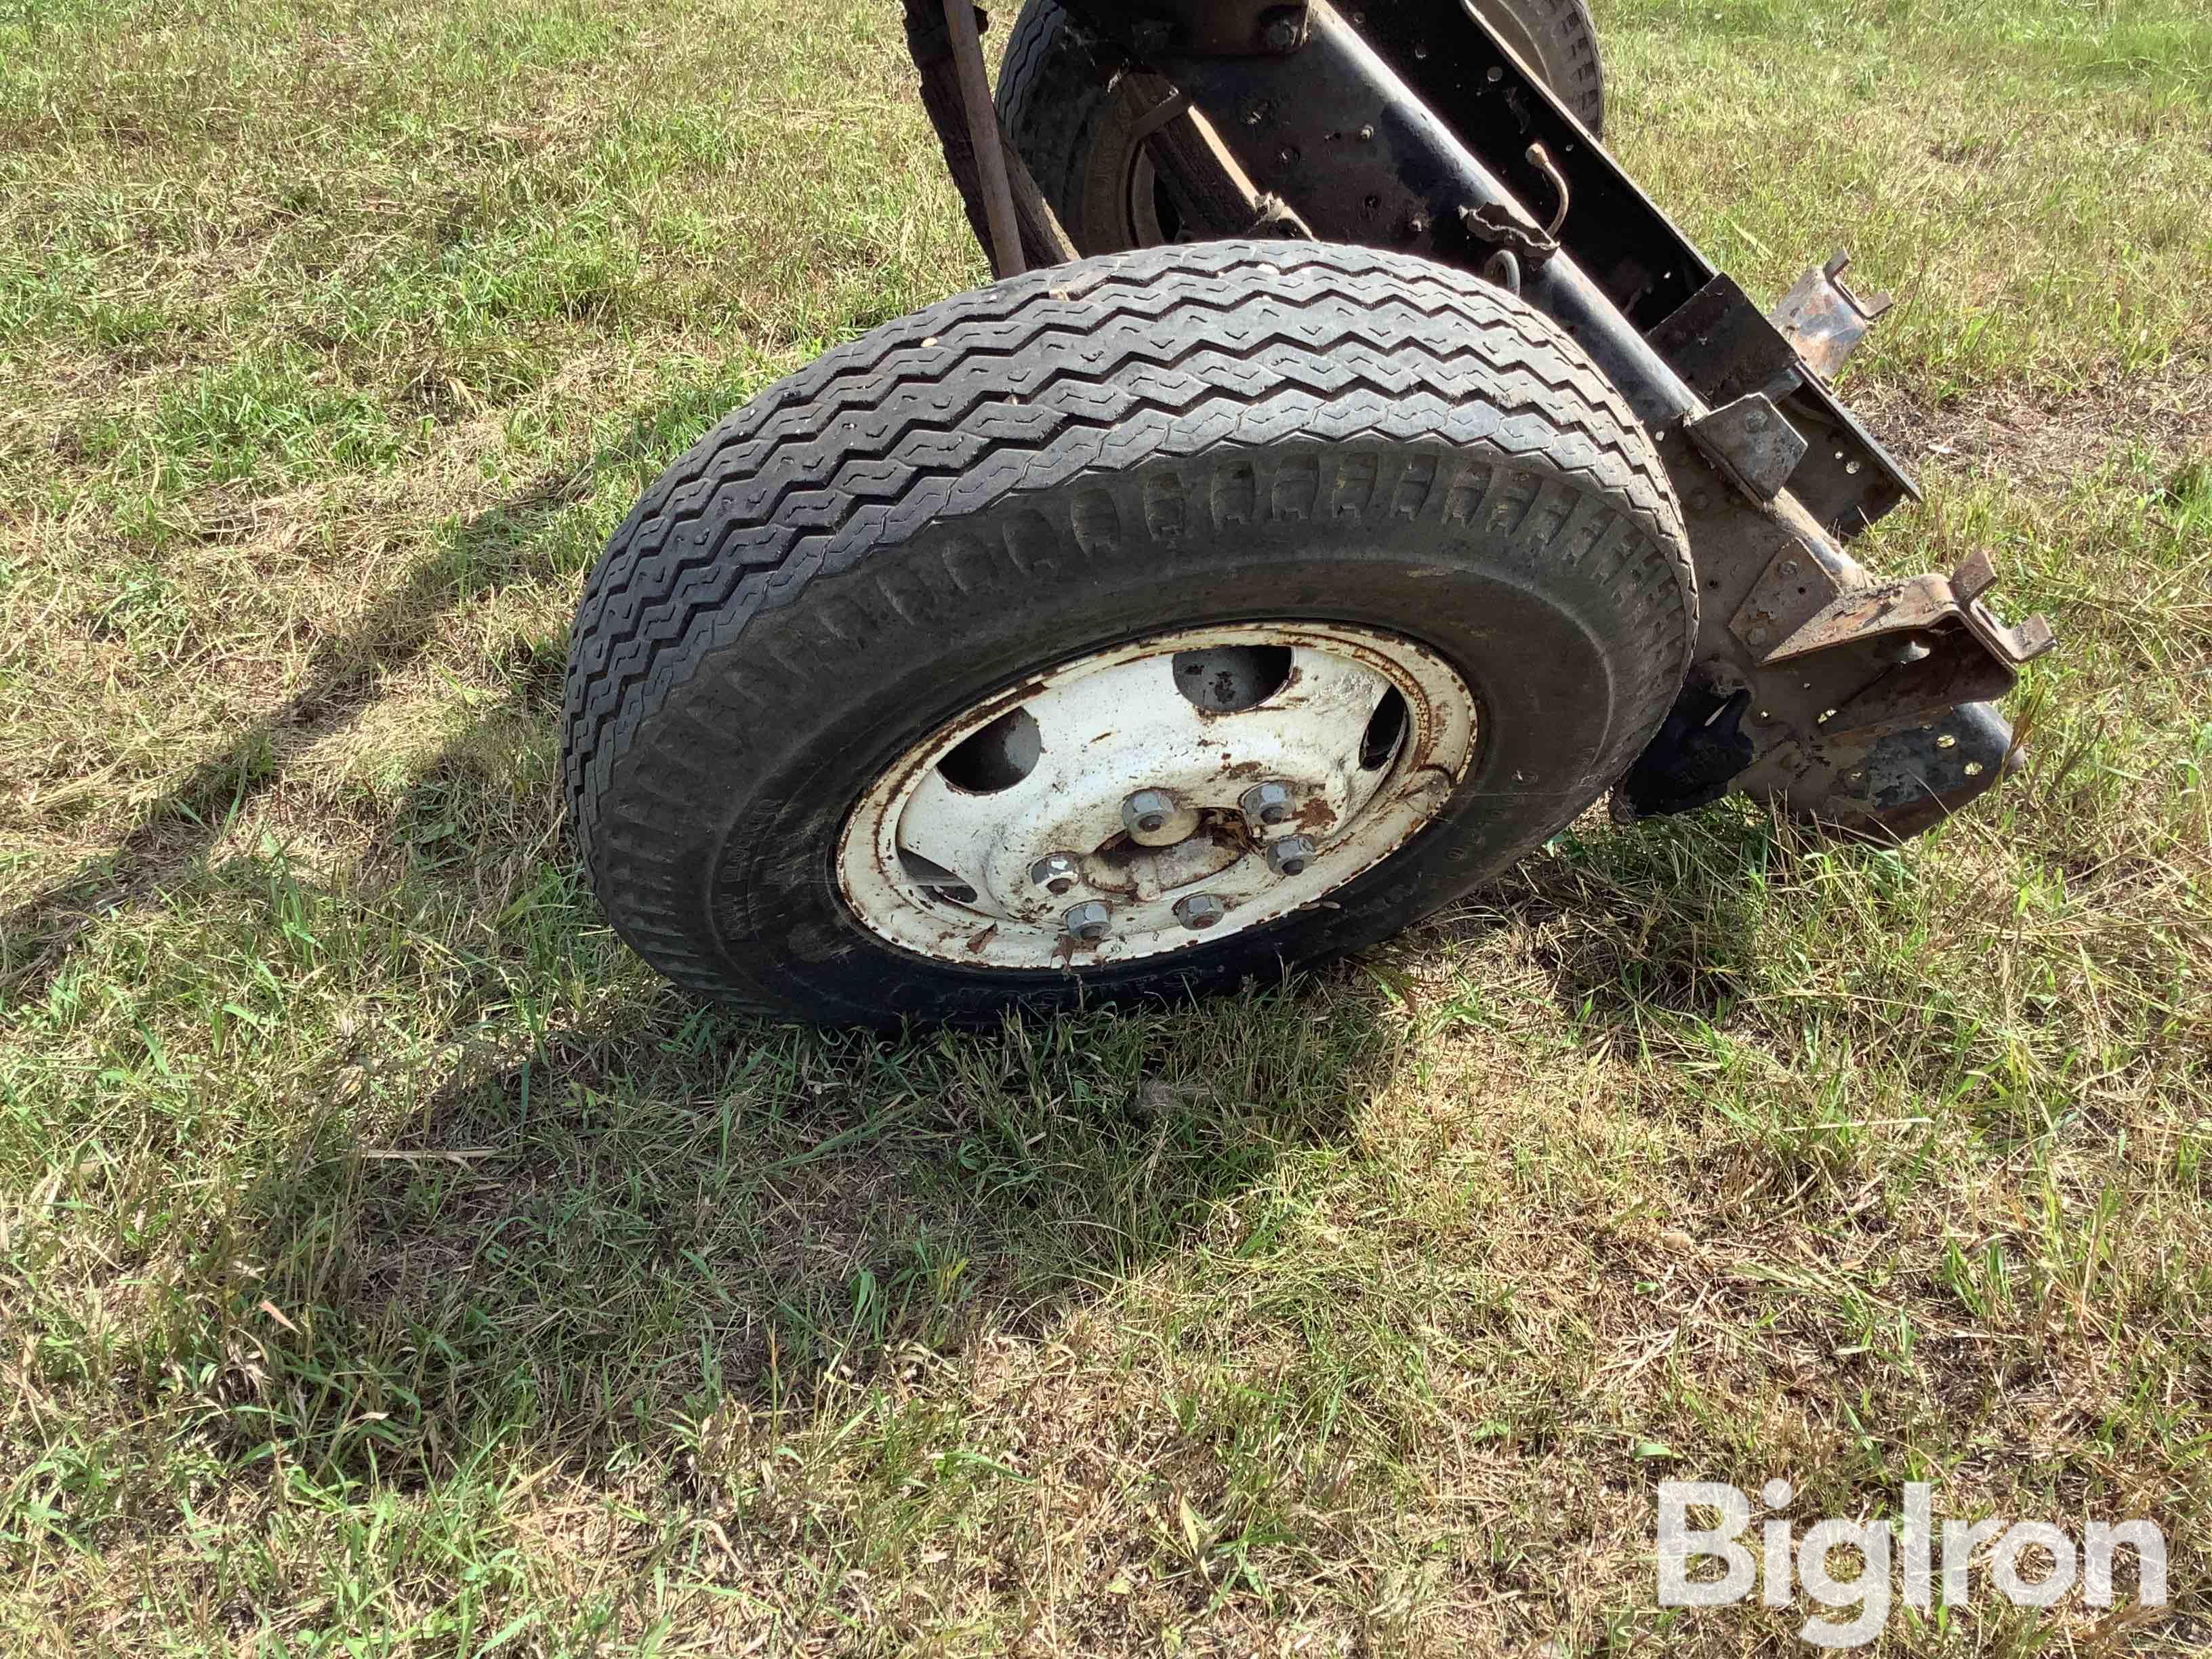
1202, 173
1914, 777
1918, 603
1824, 319
1752, 444
1899, 653
1725, 347
1414, 125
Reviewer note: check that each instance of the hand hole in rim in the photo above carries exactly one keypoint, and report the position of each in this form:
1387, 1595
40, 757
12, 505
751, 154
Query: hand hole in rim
1230, 679
997, 757
1386, 727
935, 879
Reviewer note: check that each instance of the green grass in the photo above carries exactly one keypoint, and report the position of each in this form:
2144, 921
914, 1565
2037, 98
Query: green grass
390, 1265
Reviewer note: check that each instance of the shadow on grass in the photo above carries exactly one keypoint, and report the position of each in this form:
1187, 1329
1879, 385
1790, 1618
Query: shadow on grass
606, 1244
603, 1239
562, 1206
620, 1236
1657, 923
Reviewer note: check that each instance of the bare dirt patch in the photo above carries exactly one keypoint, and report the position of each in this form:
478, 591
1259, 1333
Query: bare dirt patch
2047, 441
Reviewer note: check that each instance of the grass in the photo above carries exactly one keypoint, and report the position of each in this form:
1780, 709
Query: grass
390, 1265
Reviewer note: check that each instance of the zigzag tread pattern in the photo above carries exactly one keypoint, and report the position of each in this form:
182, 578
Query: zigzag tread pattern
1032, 384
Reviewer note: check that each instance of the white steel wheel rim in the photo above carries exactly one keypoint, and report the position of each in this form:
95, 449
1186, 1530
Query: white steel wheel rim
943, 856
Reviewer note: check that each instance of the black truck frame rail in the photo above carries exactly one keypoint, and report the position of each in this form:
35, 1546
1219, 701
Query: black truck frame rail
1868, 707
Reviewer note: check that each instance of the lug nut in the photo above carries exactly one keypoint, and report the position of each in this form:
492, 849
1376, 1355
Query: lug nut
1200, 911
1087, 922
1267, 803
1057, 873
1290, 856
1147, 811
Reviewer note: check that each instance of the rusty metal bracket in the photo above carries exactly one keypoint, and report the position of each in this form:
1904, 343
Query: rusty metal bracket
1824, 319
1907, 649
1201, 172
1793, 589
1917, 604
1276, 218
1176, 103
1727, 344
1750, 442
1726, 347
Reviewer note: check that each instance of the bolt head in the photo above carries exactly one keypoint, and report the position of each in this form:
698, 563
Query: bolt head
1056, 873
1787, 570
1267, 803
1200, 911
1291, 854
1282, 32
1147, 811
1755, 636
1086, 923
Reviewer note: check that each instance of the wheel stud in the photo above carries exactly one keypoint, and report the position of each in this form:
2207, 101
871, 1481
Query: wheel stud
1199, 911
1147, 811
1087, 922
1267, 803
1056, 872
1290, 856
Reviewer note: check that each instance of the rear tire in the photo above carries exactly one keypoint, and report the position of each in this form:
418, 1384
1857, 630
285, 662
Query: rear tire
1211, 435
1074, 124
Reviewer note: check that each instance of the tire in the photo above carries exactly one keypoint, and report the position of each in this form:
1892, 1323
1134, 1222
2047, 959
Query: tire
1200, 435
1073, 124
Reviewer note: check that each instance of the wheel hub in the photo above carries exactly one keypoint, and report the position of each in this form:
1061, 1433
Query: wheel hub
1158, 796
